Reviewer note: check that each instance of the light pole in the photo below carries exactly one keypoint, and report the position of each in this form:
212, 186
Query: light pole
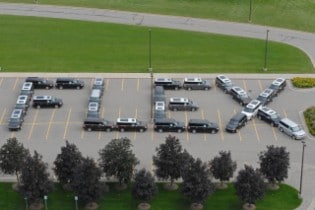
266, 50
26, 203
250, 11
302, 164
45, 199
76, 202
151, 73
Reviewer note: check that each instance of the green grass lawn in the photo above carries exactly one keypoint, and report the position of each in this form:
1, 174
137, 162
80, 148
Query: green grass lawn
286, 198
294, 14
54, 45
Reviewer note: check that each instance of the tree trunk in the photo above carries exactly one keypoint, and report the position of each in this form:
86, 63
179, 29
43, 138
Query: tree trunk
272, 186
17, 177
144, 206
169, 186
249, 206
91, 206
196, 206
221, 185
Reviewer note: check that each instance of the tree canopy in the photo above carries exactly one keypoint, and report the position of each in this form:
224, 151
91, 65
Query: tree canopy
66, 162
86, 182
118, 160
197, 185
168, 159
35, 182
144, 187
274, 163
249, 185
12, 157
222, 167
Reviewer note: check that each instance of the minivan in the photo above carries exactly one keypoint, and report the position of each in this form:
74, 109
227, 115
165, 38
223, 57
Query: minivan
236, 122
291, 129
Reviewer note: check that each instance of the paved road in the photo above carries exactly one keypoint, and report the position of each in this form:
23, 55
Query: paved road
302, 40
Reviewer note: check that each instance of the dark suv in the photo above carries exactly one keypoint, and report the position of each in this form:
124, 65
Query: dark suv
46, 102
202, 126
240, 95
131, 124
236, 122
196, 83
268, 115
16, 120
224, 83
278, 85
169, 125
98, 124
168, 84
40, 83
69, 82
266, 96
182, 104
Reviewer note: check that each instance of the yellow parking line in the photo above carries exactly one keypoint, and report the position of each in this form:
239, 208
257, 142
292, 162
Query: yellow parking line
136, 114
91, 83
12, 135
220, 125
255, 128
2, 116
245, 86
15, 83
202, 114
138, 85
33, 124
214, 86
152, 168
82, 134
102, 115
260, 85
1, 81
122, 84
152, 134
50, 121
274, 133
67, 124
107, 84
285, 113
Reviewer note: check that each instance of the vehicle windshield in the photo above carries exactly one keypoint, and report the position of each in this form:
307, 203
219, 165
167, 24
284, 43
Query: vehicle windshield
296, 128
274, 87
233, 122
246, 109
275, 116
228, 84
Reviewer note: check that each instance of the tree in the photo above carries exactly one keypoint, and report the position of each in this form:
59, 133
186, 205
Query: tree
118, 160
144, 187
249, 185
222, 167
66, 162
12, 156
274, 164
168, 159
86, 181
197, 185
35, 182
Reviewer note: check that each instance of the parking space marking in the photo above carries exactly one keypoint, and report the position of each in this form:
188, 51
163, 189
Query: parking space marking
122, 84
239, 132
256, 131
33, 124
274, 133
107, 84
135, 133
260, 85
91, 82
12, 135
245, 85
152, 167
15, 83
285, 113
220, 125
67, 124
186, 120
2, 116
49, 123
1, 80
203, 117
152, 134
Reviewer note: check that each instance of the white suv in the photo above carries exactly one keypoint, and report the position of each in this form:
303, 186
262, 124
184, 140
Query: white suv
251, 109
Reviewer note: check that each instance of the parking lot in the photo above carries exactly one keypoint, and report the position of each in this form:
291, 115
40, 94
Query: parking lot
46, 129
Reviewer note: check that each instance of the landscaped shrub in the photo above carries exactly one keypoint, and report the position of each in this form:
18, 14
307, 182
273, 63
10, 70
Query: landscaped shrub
303, 82
309, 115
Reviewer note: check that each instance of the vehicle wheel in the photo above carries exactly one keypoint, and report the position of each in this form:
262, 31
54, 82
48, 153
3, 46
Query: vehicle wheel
38, 106
47, 87
160, 130
225, 91
194, 131
174, 109
259, 117
89, 129
141, 130
236, 130
206, 88
272, 124
108, 130
122, 130
60, 87
193, 109
56, 106
179, 130
189, 88
214, 131
281, 129
241, 103
78, 88
176, 88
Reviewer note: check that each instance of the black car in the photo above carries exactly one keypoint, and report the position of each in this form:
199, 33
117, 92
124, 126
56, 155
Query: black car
224, 83
159, 94
47, 102
266, 96
131, 124
202, 126
69, 83
268, 115
236, 122
16, 120
169, 125
98, 124
40, 83
196, 83
240, 95
167, 83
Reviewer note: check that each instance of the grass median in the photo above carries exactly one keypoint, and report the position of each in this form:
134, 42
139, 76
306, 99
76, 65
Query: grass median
54, 45
286, 13
286, 198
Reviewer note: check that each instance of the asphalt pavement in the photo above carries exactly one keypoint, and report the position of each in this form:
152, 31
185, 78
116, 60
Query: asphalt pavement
303, 40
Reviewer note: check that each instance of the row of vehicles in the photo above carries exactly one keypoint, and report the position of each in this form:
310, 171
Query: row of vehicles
95, 99
189, 83
60, 83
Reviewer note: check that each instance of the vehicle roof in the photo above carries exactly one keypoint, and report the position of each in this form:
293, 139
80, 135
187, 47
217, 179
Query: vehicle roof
178, 100
192, 79
126, 120
203, 121
278, 81
268, 110
42, 97
16, 113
